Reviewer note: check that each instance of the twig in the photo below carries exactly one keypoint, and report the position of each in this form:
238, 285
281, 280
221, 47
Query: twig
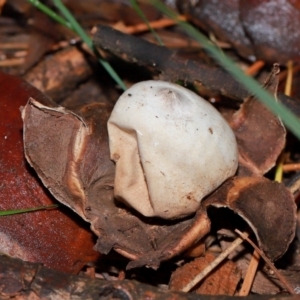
269, 263
249, 277
213, 265
142, 15
255, 67
12, 62
171, 66
289, 79
138, 28
14, 46
291, 167
279, 167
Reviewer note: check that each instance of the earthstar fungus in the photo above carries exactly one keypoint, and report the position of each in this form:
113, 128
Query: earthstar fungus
153, 129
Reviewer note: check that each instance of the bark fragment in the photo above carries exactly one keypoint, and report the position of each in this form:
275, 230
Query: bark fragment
172, 67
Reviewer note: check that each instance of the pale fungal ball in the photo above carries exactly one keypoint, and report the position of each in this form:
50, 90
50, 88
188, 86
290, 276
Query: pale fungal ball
171, 148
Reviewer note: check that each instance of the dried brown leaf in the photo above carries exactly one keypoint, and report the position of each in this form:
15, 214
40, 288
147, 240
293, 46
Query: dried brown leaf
221, 281
267, 206
70, 153
260, 134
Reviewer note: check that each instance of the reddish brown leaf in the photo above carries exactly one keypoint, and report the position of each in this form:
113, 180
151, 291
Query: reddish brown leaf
57, 238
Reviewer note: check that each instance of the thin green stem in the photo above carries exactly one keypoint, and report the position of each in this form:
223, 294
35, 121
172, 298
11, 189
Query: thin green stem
142, 15
289, 119
22, 211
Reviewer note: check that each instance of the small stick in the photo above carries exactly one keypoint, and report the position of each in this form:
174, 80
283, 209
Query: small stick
213, 265
269, 263
279, 167
173, 67
283, 74
255, 67
12, 62
121, 275
165, 22
14, 46
291, 167
249, 278
20, 53
289, 78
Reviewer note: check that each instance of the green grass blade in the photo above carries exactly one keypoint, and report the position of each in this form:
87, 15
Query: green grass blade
74, 25
289, 119
26, 210
142, 15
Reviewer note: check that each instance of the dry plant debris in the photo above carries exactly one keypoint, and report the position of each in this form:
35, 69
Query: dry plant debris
67, 143
88, 191
222, 281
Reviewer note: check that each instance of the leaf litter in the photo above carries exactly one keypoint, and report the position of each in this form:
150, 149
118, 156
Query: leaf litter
63, 141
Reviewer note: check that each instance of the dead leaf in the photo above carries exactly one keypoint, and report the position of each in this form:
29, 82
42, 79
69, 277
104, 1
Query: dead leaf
257, 155
221, 281
70, 153
60, 73
260, 134
267, 206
